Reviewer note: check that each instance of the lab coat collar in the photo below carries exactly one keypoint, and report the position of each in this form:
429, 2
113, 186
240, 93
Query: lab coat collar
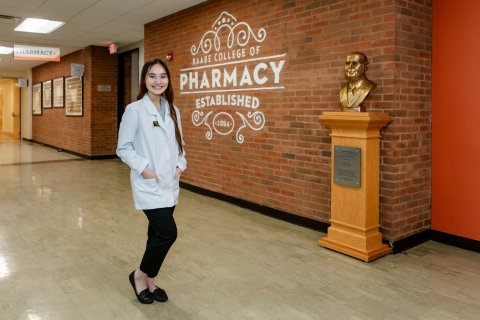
151, 109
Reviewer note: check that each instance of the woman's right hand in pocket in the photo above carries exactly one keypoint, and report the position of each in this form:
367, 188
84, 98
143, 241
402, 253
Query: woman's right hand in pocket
150, 174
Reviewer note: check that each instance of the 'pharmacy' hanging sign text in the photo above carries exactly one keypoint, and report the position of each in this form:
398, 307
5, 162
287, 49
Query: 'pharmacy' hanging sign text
22, 52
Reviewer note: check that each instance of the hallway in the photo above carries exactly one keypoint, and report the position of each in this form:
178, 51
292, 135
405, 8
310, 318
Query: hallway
16, 152
69, 237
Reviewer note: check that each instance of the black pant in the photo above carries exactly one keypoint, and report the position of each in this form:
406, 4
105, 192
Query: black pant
162, 232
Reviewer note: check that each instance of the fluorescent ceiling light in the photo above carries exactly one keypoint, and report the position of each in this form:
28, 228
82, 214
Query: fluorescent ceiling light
5, 50
39, 25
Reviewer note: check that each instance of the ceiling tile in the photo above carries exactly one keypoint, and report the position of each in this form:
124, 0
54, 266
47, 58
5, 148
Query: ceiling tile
88, 22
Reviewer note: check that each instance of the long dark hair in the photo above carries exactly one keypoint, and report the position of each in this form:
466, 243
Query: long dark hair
167, 95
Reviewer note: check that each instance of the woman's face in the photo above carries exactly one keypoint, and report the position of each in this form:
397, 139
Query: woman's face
156, 80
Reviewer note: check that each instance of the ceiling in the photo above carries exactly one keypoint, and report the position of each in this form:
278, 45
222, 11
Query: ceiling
87, 22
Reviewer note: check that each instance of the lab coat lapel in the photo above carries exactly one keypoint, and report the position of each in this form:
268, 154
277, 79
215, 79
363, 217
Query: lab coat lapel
168, 121
152, 110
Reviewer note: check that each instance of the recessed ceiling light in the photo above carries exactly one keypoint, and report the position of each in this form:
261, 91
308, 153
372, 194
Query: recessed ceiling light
5, 50
39, 25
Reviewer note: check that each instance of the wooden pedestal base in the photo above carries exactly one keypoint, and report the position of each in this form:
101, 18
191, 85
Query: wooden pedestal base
354, 228
355, 245
365, 256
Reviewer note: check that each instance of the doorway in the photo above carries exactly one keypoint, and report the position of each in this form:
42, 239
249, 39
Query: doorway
9, 109
128, 74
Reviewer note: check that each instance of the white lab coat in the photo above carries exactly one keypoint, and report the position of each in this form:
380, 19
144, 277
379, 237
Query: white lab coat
142, 144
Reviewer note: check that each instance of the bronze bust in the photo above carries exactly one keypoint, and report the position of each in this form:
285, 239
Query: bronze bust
358, 87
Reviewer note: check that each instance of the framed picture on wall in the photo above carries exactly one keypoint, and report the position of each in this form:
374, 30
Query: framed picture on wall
74, 96
47, 94
59, 92
37, 99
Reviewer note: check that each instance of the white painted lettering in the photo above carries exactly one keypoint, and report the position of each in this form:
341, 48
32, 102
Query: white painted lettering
257, 79
233, 100
276, 69
246, 79
205, 83
230, 79
183, 80
216, 75
193, 80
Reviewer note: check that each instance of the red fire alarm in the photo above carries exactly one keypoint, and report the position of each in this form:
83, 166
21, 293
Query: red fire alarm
169, 56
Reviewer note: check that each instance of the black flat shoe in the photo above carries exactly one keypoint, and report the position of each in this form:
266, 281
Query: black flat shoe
159, 294
144, 296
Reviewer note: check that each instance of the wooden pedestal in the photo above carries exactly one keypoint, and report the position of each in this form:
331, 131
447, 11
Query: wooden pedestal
354, 223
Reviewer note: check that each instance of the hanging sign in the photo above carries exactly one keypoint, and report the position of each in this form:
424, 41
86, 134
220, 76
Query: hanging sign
22, 52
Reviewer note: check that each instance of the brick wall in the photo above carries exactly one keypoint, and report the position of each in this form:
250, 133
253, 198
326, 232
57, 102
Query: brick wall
285, 165
103, 103
406, 149
94, 133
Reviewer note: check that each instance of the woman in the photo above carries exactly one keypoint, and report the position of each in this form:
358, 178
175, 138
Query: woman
150, 143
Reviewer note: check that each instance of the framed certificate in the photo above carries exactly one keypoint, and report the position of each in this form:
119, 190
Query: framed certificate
37, 99
74, 96
59, 92
47, 94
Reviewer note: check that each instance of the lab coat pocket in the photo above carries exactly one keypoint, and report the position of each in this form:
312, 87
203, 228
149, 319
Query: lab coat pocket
166, 182
148, 185
176, 183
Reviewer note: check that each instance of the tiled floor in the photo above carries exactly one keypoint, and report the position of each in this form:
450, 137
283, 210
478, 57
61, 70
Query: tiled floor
24, 152
69, 237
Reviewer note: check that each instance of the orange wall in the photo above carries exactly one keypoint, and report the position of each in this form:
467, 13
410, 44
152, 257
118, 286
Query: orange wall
456, 113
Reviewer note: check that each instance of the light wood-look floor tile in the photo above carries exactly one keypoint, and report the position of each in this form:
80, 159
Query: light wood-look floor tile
69, 237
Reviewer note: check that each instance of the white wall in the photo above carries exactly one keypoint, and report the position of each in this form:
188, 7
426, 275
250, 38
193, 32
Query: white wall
26, 108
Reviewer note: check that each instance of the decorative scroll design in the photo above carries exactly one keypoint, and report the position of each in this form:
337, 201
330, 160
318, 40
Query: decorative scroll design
197, 121
258, 123
238, 33
223, 123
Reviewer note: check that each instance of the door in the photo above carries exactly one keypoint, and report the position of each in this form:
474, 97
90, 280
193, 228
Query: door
10, 108
16, 111
128, 73
1, 110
